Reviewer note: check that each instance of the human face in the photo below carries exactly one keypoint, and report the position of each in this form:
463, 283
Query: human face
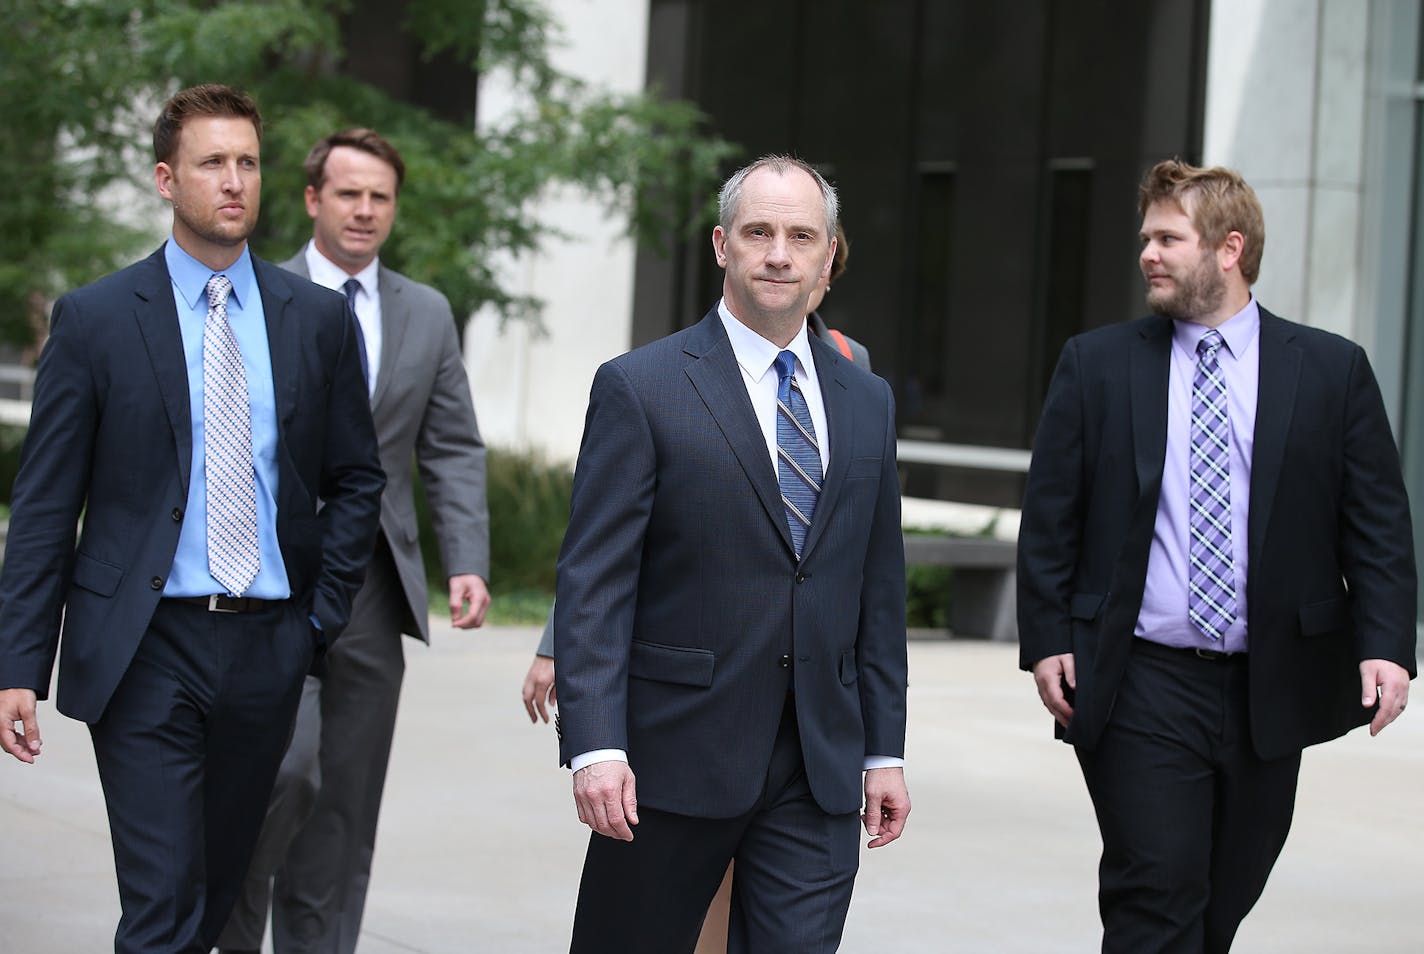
353, 211
1185, 281
215, 184
774, 252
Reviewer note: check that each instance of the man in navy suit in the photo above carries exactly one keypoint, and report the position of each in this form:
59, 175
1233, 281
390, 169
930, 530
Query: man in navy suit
1216, 568
731, 592
193, 408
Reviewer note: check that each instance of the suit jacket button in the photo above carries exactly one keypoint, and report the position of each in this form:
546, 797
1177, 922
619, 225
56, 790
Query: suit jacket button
156, 582
177, 513
802, 577
784, 662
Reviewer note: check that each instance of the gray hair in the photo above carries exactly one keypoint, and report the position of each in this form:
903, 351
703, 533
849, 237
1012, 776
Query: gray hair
730, 198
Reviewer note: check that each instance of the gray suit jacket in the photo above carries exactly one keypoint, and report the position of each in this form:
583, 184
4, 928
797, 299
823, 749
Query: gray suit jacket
423, 411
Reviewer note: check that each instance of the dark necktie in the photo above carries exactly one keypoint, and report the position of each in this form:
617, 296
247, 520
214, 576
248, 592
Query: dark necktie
1211, 581
798, 455
351, 287
233, 555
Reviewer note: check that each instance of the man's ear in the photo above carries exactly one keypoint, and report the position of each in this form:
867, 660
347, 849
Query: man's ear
1230, 251
313, 201
719, 245
163, 180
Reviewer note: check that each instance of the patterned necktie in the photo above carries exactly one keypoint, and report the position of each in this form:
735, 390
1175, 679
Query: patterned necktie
351, 287
233, 557
1211, 582
798, 455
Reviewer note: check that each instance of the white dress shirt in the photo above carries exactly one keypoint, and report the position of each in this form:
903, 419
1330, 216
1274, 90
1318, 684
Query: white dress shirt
328, 274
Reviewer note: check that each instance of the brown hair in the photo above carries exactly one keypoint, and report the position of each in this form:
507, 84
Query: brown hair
1217, 200
209, 99
842, 256
366, 140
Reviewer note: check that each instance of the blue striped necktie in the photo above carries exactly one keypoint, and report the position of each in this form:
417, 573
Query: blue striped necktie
1211, 581
233, 555
798, 454
351, 287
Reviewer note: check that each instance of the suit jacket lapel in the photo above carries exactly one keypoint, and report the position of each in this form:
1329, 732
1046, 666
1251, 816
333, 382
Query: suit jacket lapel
718, 380
157, 318
1150, 368
837, 400
283, 338
394, 321
1275, 401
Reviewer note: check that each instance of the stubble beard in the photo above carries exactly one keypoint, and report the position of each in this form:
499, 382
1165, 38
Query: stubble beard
1200, 292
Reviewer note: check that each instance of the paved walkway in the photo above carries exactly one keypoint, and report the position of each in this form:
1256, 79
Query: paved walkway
479, 848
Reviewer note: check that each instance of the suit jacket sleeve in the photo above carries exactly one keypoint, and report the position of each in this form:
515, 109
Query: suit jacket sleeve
599, 566
1376, 542
451, 456
46, 501
1050, 531
351, 481
881, 650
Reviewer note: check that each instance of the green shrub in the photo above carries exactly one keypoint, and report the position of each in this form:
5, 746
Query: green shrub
928, 590
529, 509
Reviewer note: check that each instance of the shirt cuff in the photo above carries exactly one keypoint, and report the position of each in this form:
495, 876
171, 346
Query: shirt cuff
597, 755
883, 761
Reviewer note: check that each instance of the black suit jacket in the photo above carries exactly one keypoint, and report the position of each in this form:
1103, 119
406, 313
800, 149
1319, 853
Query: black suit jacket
111, 438
679, 591
1330, 575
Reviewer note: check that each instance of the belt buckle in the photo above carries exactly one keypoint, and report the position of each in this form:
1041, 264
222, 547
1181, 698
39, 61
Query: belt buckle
213, 606
1213, 655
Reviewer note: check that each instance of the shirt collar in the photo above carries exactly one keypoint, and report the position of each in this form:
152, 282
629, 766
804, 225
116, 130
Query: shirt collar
1239, 331
328, 274
756, 354
190, 276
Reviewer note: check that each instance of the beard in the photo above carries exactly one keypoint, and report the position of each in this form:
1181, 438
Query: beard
1198, 292
204, 221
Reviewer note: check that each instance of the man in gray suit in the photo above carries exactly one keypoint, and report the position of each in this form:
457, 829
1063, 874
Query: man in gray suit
313, 861
730, 631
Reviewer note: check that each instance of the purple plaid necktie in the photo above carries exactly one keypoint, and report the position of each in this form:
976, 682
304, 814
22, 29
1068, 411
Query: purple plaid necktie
1211, 582
798, 455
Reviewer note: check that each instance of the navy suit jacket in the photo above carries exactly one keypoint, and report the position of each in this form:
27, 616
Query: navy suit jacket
111, 438
679, 591
1330, 574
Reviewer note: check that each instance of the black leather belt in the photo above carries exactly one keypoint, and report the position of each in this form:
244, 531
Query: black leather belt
221, 603
1211, 655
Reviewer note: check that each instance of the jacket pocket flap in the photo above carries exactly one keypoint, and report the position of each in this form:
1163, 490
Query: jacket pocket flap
848, 671
863, 467
1326, 616
1085, 605
96, 576
680, 664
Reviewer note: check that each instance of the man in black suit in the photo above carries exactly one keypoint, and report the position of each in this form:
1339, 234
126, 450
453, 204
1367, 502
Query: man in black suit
193, 408
731, 624
1215, 568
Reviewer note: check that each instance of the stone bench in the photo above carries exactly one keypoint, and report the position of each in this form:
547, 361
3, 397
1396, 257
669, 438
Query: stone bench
984, 581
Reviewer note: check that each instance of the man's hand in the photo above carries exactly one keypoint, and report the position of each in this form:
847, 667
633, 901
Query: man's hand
1052, 673
1387, 683
18, 705
539, 688
887, 805
607, 799
469, 598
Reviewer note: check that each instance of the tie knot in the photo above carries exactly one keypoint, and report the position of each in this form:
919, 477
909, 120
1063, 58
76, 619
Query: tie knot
351, 287
785, 365
218, 288
1209, 343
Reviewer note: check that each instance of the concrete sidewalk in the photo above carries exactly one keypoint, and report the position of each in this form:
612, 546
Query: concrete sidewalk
480, 849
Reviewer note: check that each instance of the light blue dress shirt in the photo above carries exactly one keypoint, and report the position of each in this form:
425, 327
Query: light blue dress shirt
190, 576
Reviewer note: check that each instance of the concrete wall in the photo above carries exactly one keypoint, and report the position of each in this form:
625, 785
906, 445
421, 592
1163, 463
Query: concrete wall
531, 390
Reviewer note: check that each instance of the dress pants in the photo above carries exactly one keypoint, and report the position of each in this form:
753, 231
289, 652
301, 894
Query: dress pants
1192, 820
187, 750
795, 866
312, 864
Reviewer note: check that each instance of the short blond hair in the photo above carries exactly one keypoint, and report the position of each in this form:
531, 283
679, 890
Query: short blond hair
1217, 200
